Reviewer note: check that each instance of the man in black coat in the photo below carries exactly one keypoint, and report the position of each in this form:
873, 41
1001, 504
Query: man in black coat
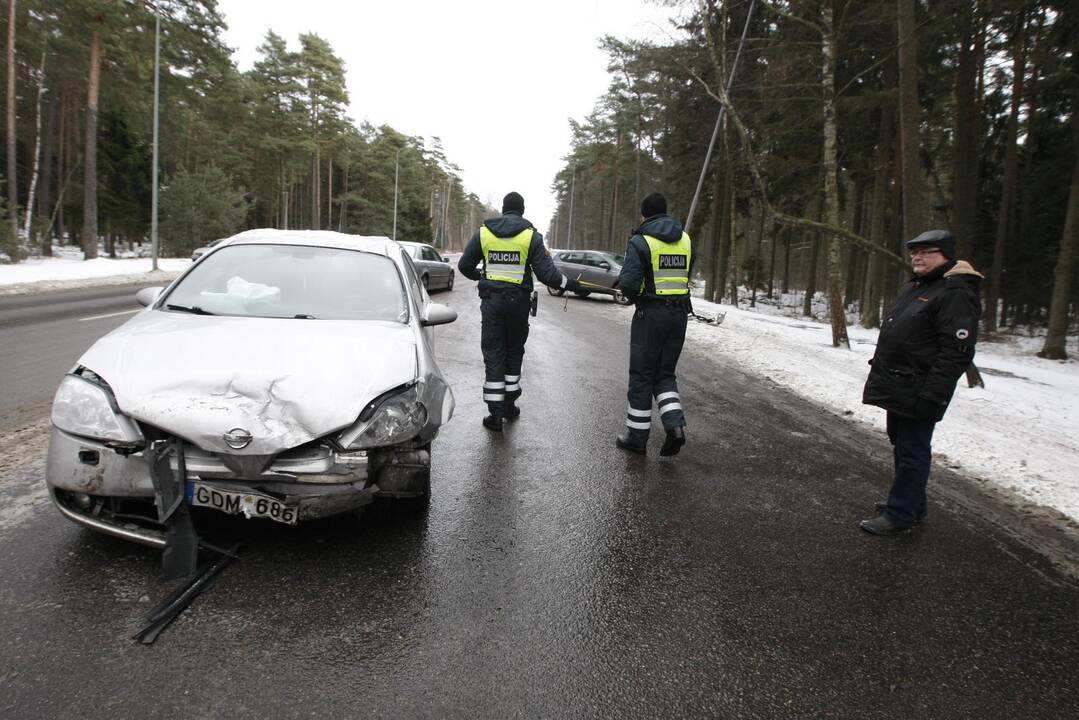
926, 343
510, 249
655, 277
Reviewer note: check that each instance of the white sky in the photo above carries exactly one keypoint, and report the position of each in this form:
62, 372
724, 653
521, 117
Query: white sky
496, 80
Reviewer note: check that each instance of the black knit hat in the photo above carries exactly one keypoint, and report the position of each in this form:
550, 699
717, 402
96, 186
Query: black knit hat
935, 238
654, 204
513, 202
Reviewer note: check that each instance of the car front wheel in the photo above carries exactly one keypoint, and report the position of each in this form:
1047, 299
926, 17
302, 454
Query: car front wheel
449, 285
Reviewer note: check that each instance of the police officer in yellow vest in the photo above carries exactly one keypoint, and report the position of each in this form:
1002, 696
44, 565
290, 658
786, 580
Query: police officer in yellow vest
510, 250
655, 277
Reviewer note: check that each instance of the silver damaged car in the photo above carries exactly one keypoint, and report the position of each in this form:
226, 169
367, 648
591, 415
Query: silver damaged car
288, 375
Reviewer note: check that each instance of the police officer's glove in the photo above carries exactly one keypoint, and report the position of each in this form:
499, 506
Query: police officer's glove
572, 286
928, 410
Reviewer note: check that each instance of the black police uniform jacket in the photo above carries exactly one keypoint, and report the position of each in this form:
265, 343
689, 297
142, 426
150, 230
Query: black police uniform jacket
637, 268
926, 343
539, 260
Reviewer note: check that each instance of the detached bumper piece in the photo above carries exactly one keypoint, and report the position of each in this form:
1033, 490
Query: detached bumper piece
171, 607
181, 553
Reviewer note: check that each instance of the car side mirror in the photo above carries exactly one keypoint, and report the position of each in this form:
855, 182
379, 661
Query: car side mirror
605, 265
438, 314
146, 296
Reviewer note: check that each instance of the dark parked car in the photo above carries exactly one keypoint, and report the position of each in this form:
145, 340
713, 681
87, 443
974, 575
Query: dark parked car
595, 269
434, 270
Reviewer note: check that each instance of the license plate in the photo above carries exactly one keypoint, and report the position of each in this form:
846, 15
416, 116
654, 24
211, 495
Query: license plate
248, 504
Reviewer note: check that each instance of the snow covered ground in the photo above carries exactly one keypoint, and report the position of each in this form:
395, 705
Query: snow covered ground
67, 269
1019, 433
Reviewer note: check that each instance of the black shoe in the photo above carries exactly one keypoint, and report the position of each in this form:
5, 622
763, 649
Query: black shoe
881, 525
882, 506
623, 442
676, 438
492, 423
512, 412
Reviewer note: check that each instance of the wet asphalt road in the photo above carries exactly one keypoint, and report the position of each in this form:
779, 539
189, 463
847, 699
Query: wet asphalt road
553, 576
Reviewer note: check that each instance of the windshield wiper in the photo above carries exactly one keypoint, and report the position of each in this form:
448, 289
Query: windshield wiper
194, 309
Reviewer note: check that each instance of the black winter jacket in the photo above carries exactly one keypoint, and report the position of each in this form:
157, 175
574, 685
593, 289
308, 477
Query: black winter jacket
539, 260
638, 265
926, 343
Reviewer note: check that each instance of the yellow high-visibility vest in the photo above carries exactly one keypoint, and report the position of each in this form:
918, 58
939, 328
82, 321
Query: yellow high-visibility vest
504, 259
670, 265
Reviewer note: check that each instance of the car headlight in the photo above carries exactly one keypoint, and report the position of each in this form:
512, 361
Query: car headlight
85, 408
388, 421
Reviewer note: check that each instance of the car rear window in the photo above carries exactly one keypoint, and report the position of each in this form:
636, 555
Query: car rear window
293, 281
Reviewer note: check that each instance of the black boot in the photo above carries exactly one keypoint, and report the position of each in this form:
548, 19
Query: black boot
625, 443
512, 412
882, 526
676, 438
882, 506
493, 423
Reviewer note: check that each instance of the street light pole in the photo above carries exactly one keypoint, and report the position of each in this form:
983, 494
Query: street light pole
396, 169
157, 75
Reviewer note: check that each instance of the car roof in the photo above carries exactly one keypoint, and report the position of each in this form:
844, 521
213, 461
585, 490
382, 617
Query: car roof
379, 244
411, 243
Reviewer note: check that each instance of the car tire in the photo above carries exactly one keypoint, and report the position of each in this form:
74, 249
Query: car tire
621, 299
424, 281
449, 285
557, 292
582, 293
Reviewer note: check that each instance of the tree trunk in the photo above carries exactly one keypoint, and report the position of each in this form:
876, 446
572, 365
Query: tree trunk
909, 119
757, 258
12, 186
786, 260
1056, 338
344, 202
89, 204
967, 135
731, 230
871, 297
772, 266
811, 277
37, 150
831, 183
48, 178
329, 194
1011, 168
721, 249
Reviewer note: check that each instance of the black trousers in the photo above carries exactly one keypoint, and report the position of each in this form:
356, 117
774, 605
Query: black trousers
913, 456
503, 334
656, 337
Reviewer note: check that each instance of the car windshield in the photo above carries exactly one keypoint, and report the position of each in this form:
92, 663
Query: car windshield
292, 281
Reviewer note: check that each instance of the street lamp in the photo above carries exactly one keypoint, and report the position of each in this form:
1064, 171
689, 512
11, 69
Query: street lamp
153, 183
396, 170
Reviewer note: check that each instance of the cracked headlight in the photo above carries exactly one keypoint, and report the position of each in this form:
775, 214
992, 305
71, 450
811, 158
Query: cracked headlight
393, 420
85, 408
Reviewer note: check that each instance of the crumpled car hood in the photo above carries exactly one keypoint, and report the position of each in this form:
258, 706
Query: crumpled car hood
286, 382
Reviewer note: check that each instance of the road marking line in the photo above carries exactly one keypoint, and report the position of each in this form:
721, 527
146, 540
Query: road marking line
100, 317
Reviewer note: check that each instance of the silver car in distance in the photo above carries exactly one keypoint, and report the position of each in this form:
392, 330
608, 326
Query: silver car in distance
288, 375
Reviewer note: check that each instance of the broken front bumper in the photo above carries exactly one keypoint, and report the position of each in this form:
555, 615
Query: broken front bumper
112, 490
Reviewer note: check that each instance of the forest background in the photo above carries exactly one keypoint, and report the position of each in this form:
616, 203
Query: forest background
850, 126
